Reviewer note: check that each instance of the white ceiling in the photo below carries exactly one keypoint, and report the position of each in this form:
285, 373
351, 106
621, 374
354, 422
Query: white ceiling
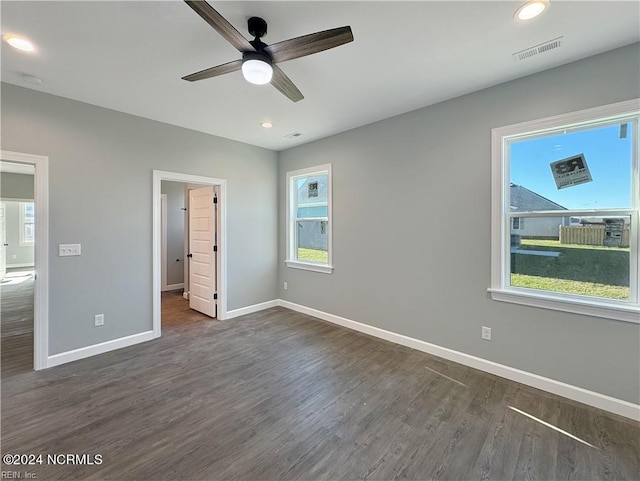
130, 57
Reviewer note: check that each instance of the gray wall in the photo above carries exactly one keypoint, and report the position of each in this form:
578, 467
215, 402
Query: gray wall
15, 186
100, 181
17, 255
394, 267
175, 230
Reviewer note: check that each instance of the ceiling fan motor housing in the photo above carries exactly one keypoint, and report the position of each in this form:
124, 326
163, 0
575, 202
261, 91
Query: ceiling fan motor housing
260, 55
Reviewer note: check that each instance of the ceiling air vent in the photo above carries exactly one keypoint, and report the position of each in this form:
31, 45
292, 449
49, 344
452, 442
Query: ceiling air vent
538, 49
293, 135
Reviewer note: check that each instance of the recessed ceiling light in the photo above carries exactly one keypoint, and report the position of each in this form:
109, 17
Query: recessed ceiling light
531, 9
266, 124
19, 42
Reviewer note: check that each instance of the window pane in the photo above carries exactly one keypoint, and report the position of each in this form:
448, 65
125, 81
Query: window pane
312, 241
602, 154
586, 255
29, 212
29, 233
312, 196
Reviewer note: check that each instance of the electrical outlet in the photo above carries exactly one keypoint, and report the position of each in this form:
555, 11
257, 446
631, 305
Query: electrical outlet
486, 333
285, 286
98, 320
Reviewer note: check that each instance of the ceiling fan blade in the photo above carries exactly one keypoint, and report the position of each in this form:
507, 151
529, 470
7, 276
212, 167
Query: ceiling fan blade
221, 25
309, 44
215, 71
284, 84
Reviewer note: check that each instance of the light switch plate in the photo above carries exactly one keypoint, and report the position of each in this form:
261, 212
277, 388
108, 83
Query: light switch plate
69, 250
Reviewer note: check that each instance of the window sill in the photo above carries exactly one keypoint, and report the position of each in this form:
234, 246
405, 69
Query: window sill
325, 269
608, 310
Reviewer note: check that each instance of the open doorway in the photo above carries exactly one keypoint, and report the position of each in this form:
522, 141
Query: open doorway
17, 245
189, 248
23, 262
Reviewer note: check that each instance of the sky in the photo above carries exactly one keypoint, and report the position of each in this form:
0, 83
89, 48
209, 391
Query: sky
607, 156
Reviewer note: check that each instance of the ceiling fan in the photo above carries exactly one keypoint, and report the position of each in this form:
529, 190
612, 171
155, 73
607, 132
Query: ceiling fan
258, 63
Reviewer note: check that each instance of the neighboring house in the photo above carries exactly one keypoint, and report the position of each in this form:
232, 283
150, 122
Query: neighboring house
525, 200
312, 204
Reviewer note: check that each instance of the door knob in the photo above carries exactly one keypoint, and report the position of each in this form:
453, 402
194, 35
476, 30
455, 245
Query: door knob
189, 255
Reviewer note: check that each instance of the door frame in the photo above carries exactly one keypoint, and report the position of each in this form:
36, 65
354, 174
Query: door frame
221, 268
163, 240
41, 252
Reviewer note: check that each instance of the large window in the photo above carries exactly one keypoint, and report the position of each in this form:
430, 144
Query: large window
565, 212
309, 219
27, 223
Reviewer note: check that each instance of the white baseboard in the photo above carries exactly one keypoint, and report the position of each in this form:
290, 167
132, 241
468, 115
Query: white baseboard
14, 266
173, 287
591, 398
251, 309
83, 352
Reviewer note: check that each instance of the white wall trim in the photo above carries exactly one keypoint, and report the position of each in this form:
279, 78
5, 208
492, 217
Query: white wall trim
253, 308
41, 252
173, 287
163, 240
101, 348
591, 398
158, 177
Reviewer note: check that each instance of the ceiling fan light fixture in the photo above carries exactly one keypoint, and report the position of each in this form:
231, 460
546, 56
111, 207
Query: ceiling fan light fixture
256, 68
531, 9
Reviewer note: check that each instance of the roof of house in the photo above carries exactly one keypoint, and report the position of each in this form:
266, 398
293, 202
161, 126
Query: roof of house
522, 199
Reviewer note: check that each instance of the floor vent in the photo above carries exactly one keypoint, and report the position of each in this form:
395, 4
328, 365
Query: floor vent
538, 49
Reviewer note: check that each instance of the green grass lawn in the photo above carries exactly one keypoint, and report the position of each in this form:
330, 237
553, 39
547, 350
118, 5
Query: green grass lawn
578, 269
571, 287
313, 255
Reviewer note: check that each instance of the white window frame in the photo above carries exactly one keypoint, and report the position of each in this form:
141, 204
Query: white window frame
292, 193
21, 207
501, 290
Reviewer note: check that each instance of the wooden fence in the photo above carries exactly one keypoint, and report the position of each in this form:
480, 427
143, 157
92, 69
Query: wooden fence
592, 235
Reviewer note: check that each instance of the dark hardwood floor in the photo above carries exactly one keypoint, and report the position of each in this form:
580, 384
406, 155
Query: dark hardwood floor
16, 322
280, 395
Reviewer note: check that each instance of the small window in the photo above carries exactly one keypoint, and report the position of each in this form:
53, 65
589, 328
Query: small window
570, 180
518, 223
27, 223
309, 219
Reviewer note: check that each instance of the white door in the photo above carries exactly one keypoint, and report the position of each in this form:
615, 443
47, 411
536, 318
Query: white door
3, 245
202, 251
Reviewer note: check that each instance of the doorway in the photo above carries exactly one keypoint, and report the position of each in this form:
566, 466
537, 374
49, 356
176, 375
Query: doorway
215, 189
24, 261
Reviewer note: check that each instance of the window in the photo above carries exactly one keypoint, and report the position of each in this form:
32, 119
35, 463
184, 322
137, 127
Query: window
27, 224
309, 219
565, 212
518, 223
